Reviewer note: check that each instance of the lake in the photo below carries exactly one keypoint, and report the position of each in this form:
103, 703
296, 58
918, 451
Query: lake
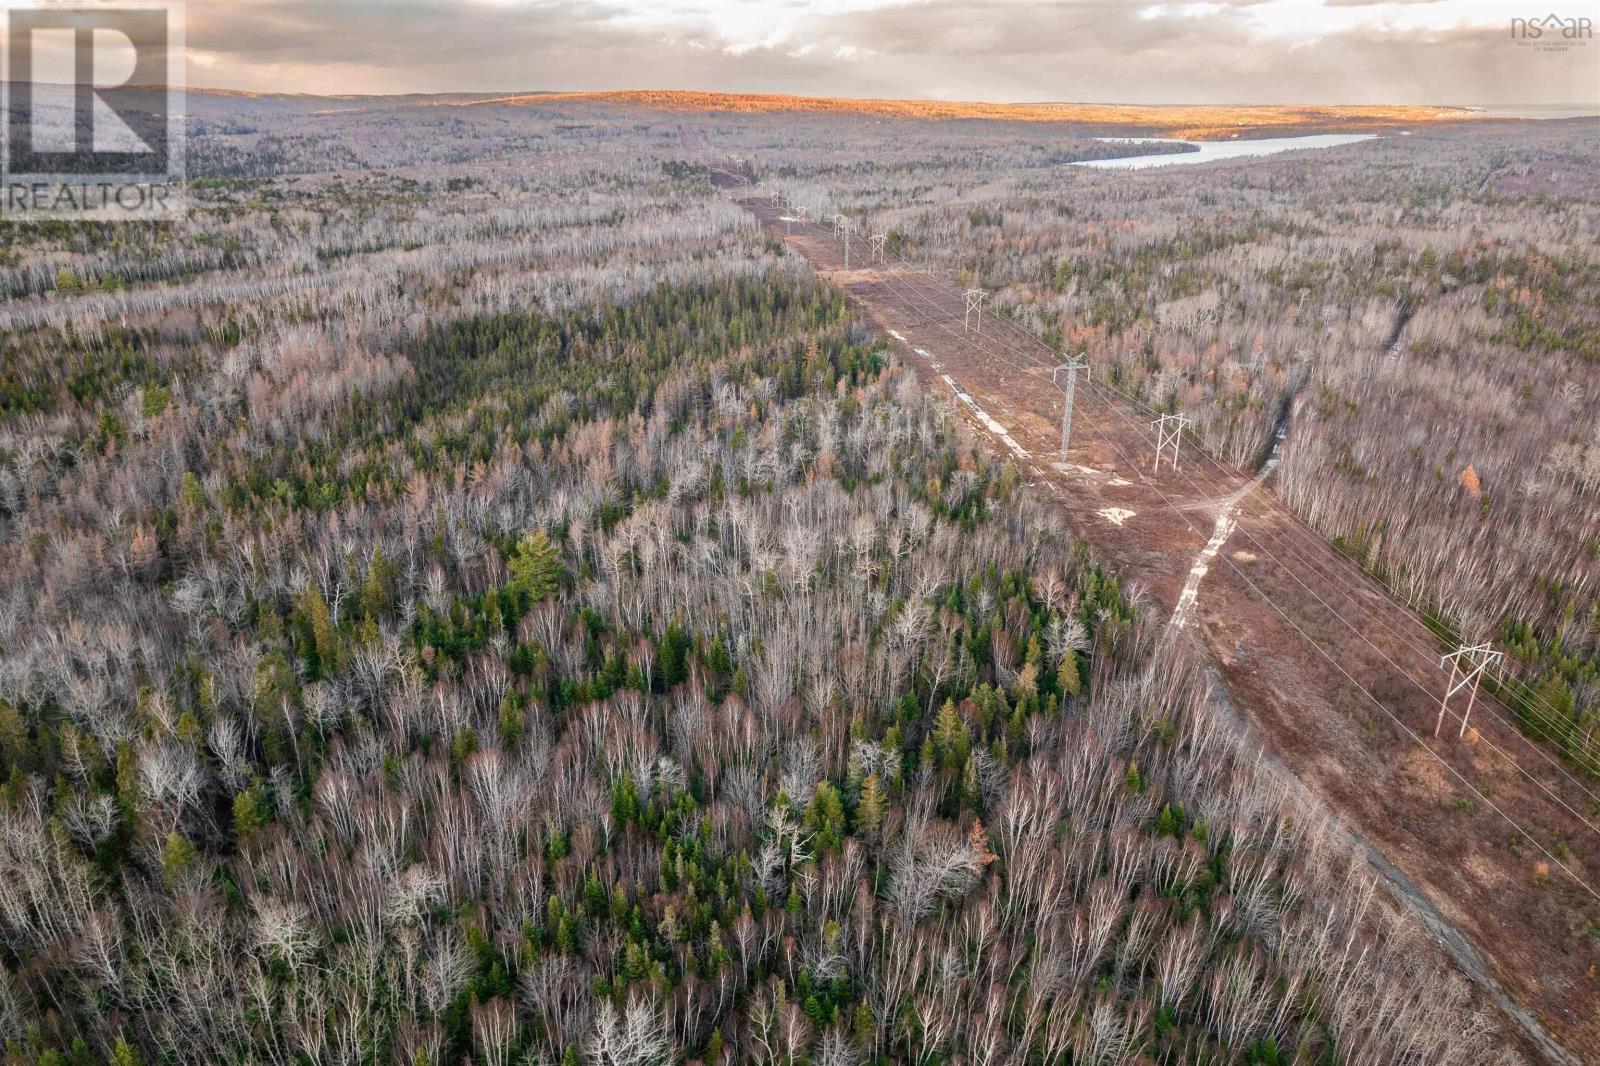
1211, 151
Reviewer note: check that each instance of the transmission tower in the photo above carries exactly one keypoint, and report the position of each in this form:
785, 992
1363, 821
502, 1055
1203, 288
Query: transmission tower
974, 298
878, 240
1169, 431
1467, 667
1071, 367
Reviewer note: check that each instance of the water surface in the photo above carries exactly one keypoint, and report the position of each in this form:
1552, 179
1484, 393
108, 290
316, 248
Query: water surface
1211, 151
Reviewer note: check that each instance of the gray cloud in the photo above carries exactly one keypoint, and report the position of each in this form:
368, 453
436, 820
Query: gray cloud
1100, 50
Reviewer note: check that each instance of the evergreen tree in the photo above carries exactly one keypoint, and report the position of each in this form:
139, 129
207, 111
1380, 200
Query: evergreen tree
1068, 679
326, 656
951, 738
536, 567
177, 858
869, 812
250, 813
375, 589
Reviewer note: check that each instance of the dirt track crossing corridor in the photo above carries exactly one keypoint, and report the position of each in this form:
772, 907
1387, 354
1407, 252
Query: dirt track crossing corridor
1333, 676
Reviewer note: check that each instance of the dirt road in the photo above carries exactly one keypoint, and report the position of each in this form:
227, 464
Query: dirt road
1491, 838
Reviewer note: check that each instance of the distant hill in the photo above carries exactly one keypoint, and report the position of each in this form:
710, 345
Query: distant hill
1176, 120
1180, 120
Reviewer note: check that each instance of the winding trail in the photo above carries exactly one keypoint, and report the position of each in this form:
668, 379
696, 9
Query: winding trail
1227, 521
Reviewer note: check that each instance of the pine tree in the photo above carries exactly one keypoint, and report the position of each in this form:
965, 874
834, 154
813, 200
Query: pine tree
327, 652
869, 812
673, 656
1035, 654
825, 817
512, 723
619, 906
191, 496
177, 856
794, 904
978, 840
951, 740
864, 1027
971, 792
375, 589
1169, 822
1067, 677
625, 801
249, 814
536, 567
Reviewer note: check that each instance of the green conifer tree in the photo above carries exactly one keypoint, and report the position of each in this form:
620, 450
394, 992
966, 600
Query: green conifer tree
536, 567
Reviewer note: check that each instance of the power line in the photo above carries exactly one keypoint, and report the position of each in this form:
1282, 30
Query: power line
1300, 529
1384, 655
1256, 588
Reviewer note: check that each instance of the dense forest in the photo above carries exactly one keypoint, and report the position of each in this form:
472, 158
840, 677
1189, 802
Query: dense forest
471, 597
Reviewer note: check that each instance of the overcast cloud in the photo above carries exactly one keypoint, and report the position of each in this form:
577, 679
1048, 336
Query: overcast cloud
1225, 51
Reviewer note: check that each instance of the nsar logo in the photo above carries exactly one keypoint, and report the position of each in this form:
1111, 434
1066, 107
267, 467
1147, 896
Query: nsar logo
1553, 33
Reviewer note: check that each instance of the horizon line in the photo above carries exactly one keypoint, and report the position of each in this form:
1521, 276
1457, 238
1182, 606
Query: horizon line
491, 95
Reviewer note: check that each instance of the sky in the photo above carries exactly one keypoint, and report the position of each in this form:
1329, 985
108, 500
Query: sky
1222, 51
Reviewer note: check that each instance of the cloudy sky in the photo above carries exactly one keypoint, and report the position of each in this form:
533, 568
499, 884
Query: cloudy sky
1220, 51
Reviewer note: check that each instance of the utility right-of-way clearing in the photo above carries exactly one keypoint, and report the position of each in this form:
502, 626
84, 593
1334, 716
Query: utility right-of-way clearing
1491, 836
